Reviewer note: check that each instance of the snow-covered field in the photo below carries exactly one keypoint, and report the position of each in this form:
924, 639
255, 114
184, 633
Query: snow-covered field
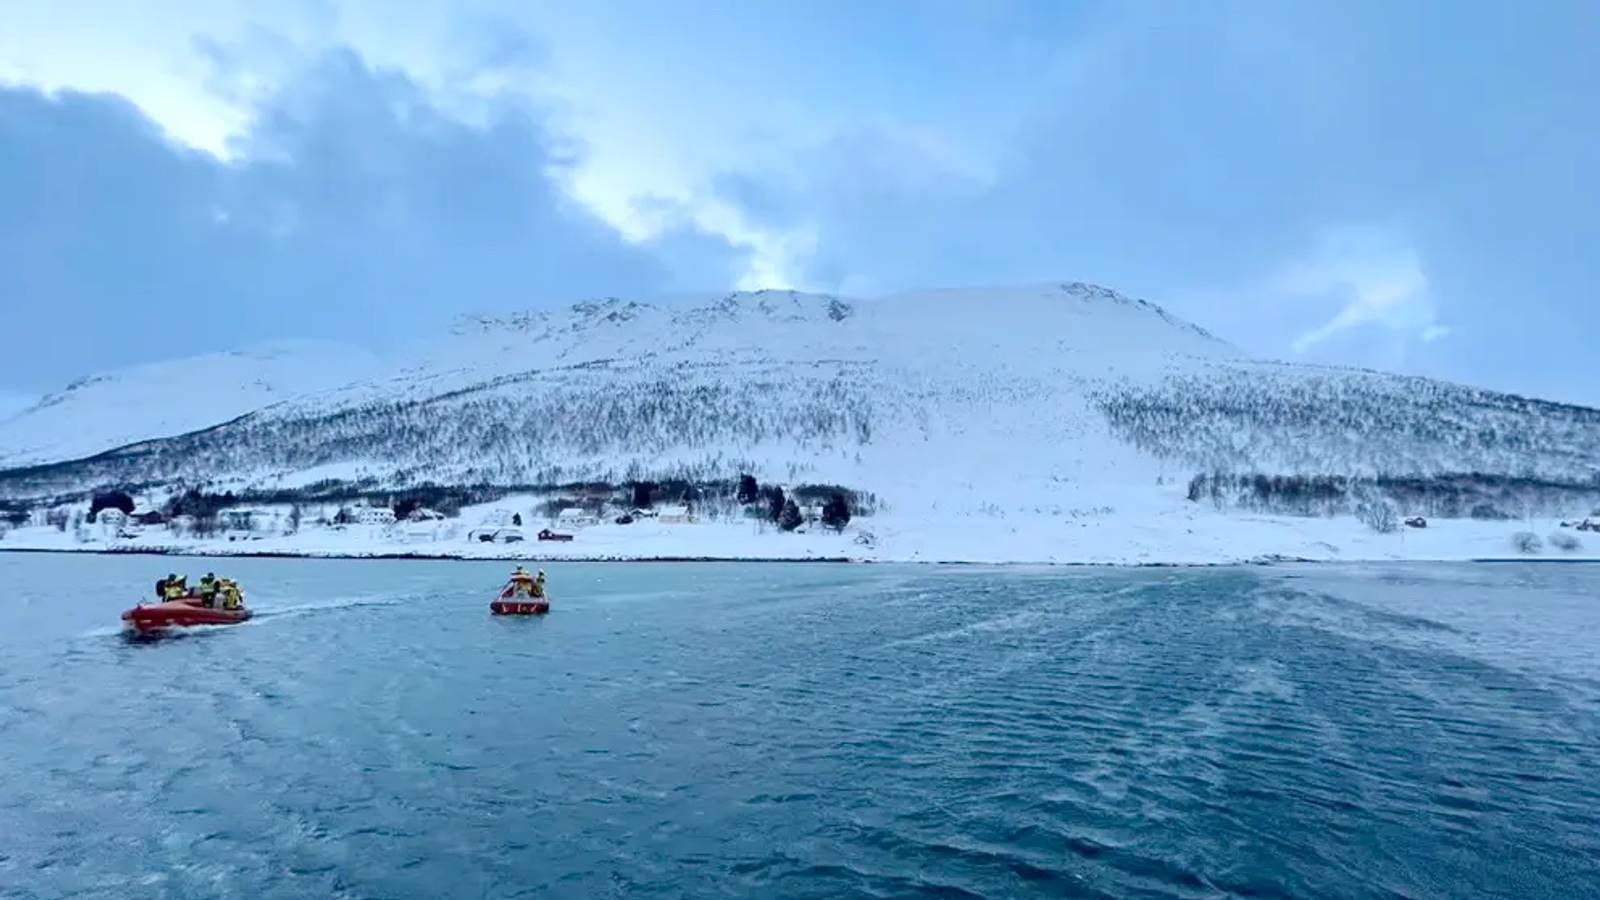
1183, 535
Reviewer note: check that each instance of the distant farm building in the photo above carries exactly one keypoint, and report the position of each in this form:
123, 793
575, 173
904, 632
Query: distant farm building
374, 515
674, 515
576, 517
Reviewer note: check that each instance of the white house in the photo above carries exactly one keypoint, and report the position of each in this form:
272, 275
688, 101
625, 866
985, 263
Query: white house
674, 515
575, 517
375, 515
112, 517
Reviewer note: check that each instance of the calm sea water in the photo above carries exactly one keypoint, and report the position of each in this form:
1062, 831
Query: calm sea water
805, 731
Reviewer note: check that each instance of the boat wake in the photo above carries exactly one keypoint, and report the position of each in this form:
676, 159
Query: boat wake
329, 605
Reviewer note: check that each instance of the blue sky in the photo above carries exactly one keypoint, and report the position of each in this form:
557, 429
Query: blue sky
1407, 186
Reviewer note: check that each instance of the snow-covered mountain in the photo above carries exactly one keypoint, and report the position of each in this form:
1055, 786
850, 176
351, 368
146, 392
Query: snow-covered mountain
1066, 400
102, 412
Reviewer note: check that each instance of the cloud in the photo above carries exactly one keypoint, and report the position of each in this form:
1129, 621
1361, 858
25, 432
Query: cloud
1170, 148
353, 207
1374, 276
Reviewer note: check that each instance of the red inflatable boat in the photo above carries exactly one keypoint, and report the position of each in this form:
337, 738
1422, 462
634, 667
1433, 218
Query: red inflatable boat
180, 614
505, 605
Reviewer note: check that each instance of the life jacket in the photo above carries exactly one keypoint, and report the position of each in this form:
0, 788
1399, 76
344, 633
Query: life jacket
537, 588
232, 597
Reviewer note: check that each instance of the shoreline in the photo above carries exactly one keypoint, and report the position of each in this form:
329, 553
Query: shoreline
432, 557
1268, 560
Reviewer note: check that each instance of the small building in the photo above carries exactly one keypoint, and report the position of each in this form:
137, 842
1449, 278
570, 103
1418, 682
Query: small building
112, 517
424, 514
374, 515
245, 520
674, 515
576, 517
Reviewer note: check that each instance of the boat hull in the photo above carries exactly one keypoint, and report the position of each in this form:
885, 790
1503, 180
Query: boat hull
519, 607
179, 614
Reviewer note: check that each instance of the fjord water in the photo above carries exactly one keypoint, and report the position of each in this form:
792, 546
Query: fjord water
805, 731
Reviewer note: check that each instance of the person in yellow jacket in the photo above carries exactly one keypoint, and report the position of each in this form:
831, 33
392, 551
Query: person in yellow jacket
521, 583
176, 588
536, 590
209, 586
232, 596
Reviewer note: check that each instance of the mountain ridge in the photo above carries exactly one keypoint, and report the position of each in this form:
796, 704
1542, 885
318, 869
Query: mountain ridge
1059, 396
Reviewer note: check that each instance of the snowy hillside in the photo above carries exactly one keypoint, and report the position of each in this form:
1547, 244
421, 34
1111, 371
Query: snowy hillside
1066, 402
102, 412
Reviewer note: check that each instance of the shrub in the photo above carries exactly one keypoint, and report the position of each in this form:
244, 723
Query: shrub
1488, 511
1526, 542
790, 518
641, 494
110, 500
775, 503
749, 492
1563, 541
836, 512
1379, 515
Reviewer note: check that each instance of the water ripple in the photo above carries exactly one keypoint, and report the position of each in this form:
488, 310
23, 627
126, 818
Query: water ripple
732, 731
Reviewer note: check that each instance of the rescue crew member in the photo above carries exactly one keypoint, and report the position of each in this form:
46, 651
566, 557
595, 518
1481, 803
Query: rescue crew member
177, 588
232, 597
521, 583
208, 589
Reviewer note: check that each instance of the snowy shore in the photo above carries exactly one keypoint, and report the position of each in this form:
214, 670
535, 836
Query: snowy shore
1185, 536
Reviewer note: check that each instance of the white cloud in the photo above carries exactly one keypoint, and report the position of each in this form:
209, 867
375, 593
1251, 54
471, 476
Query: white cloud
1376, 276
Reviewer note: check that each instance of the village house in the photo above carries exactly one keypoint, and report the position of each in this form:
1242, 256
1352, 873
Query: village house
674, 515
374, 515
576, 517
248, 520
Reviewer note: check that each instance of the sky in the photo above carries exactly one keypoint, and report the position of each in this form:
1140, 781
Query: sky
1403, 186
